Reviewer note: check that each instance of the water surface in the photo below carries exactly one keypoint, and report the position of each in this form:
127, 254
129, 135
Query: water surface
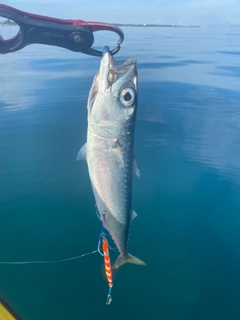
187, 199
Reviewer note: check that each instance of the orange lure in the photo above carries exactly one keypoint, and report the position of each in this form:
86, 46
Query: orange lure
108, 268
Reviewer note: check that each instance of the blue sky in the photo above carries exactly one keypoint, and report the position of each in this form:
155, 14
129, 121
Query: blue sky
185, 12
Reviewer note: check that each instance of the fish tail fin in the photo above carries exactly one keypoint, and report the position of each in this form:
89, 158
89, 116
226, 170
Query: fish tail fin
128, 259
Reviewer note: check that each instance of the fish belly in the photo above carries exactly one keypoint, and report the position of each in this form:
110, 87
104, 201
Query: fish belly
110, 164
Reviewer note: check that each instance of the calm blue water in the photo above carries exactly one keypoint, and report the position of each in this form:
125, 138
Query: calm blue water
187, 199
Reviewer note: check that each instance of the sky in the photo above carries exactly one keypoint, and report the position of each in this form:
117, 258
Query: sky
183, 12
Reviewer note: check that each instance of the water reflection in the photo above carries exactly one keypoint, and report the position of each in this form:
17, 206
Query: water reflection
237, 53
16, 90
229, 70
29, 75
202, 121
159, 65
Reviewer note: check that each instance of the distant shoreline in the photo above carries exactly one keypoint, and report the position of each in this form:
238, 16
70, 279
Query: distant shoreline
6, 23
154, 25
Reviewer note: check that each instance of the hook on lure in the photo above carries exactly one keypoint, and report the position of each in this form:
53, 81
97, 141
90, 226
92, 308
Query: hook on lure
75, 35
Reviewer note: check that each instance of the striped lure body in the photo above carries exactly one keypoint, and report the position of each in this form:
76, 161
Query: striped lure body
107, 262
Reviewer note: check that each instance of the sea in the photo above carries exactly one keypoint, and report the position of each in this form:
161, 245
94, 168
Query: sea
187, 144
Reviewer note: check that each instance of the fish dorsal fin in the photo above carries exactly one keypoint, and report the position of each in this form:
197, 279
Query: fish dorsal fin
133, 215
136, 170
82, 153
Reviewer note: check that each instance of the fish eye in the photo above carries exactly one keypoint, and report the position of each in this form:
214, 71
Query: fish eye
127, 97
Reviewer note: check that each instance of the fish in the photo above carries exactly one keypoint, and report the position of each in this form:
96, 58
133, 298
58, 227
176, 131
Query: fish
112, 109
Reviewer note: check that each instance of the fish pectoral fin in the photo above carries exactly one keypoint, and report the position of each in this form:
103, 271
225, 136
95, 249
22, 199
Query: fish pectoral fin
82, 153
116, 148
133, 215
136, 170
129, 259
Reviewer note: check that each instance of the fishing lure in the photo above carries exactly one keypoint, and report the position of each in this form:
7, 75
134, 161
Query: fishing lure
108, 268
106, 256
107, 262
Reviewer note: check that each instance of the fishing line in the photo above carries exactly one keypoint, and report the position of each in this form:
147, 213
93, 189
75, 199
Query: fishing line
48, 262
113, 249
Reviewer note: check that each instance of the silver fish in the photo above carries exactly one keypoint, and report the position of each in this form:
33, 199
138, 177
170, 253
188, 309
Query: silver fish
112, 107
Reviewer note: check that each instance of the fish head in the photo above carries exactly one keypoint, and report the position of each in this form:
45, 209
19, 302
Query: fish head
112, 101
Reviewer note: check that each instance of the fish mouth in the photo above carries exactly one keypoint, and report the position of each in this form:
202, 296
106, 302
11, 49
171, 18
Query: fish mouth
108, 61
111, 71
